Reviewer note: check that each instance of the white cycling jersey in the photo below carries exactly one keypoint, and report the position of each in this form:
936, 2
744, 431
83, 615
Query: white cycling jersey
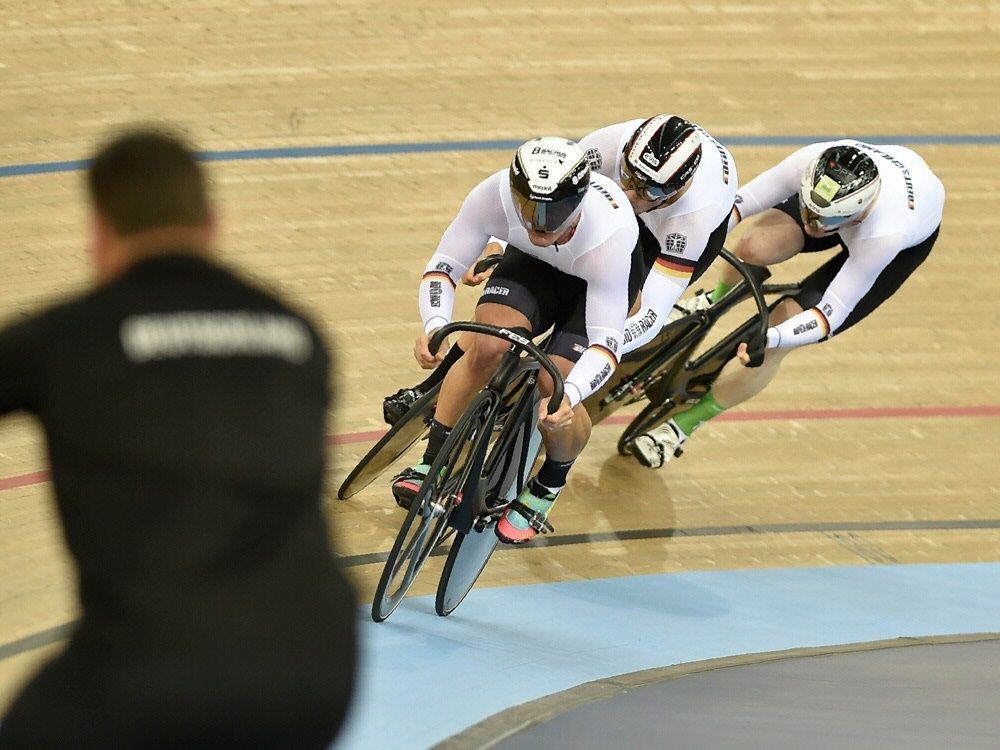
599, 252
681, 230
906, 212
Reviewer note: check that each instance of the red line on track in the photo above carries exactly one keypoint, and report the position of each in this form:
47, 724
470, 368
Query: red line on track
887, 412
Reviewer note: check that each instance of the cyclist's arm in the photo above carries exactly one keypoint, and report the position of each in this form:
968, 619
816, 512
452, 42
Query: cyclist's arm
480, 217
868, 258
602, 149
606, 271
669, 277
770, 188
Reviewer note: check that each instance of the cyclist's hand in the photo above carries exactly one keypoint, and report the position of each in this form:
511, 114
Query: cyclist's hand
560, 420
751, 353
422, 352
470, 277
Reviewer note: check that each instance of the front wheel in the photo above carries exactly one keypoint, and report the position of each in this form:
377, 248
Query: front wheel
427, 517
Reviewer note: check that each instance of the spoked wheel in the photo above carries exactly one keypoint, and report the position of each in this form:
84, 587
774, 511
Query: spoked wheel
408, 430
645, 420
427, 519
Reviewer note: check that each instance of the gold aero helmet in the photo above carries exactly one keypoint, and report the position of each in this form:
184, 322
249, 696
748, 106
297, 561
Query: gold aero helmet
549, 177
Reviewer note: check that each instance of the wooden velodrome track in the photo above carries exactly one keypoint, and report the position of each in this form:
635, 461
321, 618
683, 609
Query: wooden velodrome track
880, 447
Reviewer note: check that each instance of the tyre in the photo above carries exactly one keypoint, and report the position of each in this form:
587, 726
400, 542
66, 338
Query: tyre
408, 430
449, 477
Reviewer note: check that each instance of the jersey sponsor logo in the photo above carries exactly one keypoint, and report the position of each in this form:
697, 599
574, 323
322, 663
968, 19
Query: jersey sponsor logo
603, 191
907, 177
827, 309
739, 199
501, 291
600, 377
639, 327
721, 150
435, 293
215, 333
804, 327
595, 158
445, 267
612, 343
578, 348
675, 243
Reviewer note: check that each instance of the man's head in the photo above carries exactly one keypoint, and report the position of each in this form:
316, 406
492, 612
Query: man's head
659, 161
839, 187
148, 196
549, 178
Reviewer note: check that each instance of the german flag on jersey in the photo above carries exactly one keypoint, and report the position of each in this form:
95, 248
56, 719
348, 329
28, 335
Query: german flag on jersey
674, 267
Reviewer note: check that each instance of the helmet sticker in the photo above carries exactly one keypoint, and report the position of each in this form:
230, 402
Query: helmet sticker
827, 187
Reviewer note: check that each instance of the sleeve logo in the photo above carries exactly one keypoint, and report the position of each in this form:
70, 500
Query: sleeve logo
675, 243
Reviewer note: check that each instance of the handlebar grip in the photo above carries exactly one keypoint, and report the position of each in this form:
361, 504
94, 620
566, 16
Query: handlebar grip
516, 340
487, 263
754, 276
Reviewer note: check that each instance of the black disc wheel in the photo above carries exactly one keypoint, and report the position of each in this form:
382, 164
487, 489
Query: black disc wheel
427, 519
408, 430
471, 551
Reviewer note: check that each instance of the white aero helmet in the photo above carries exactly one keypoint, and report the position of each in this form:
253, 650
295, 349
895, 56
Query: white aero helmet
660, 158
839, 184
549, 177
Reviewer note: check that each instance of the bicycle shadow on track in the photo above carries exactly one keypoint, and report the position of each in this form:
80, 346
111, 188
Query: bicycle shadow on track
624, 495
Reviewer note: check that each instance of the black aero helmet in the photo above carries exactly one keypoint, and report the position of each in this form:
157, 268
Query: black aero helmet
549, 177
840, 183
660, 157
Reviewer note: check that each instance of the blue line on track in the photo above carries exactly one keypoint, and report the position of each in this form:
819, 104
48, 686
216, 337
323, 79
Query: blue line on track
372, 149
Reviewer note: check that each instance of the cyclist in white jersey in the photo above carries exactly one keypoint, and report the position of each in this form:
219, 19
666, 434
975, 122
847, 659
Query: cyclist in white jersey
572, 247
681, 184
881, 204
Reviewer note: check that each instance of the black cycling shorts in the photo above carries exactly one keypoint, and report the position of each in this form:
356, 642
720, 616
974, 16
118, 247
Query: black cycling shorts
891, 278
550, 298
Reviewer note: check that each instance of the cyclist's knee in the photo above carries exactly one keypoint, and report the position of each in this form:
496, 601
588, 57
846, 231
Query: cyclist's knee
485, 353
785, 309
545, 385
763, 246
754, 247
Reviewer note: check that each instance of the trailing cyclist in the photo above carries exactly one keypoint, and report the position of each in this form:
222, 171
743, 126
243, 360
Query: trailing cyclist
881, 205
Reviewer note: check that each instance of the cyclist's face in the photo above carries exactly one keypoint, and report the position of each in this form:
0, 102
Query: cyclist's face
641, 204
820, 226
548, 239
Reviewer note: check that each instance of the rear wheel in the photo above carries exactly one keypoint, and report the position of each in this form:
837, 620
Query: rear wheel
407, 431
426, 521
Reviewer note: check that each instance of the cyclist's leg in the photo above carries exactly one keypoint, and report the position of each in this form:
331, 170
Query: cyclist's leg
771, 237
735, 383
529, 513
514, 298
